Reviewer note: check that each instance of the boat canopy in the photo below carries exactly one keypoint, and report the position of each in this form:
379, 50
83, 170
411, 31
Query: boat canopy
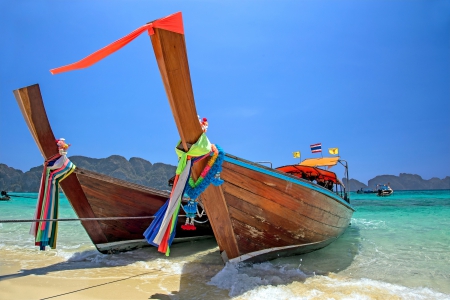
321, 162
311, 173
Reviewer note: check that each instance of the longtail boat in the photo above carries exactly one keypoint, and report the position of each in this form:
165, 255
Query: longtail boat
257, 213
116, 212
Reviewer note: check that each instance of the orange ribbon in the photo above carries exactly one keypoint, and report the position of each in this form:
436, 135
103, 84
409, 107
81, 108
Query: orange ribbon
173, 23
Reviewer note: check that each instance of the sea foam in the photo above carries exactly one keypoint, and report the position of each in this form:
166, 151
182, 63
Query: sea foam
268, 281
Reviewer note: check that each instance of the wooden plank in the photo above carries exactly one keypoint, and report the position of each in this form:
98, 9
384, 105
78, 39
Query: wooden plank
294, 228
120, 200
292, 196
111, 181
279, 188
170, 52
109, 200
252, 239
214, 201
109, 197
274, 232
272, 200
317, 226
33, 110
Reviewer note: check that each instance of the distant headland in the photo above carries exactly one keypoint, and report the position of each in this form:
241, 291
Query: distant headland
143, 172
404, 181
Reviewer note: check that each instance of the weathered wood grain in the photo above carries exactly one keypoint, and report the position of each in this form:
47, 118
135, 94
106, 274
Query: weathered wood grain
115, 197
170, 52
242, 177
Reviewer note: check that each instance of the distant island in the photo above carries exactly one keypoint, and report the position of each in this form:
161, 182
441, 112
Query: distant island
143, 172
135, 170
402, 182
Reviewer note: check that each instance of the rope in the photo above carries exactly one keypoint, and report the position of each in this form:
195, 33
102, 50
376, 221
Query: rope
17, 196
78, 219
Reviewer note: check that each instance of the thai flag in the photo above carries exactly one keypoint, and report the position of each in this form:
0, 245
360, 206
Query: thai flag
316, 148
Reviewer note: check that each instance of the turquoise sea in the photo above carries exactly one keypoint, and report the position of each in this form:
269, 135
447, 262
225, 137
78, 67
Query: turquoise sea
396, 247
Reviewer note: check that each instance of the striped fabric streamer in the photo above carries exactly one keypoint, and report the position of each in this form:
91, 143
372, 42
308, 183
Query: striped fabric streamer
55, 170
161, 231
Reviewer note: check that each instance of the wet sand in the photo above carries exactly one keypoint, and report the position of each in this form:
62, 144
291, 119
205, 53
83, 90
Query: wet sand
183, 276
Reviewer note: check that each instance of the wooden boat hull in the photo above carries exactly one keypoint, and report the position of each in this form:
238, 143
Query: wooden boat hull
110, 197
273, 213
94, 195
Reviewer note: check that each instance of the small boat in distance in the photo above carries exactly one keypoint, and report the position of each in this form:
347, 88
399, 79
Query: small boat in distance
4, 196
384, 190
118, 211
361, 191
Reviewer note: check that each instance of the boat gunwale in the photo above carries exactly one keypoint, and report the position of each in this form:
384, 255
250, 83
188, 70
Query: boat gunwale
121, 182
269, 253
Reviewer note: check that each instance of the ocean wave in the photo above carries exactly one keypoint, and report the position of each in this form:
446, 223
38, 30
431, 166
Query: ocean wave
160, 264
266, 281
368, 224
241, 278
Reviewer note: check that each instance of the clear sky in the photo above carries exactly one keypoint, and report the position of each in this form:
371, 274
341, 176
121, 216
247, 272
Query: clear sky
273, 77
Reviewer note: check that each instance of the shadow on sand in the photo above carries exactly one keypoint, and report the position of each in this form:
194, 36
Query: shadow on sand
94, 260
204, 276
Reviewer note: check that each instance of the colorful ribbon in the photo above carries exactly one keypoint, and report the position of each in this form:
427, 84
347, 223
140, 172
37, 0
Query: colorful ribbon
161, 231
55, 170
173, 23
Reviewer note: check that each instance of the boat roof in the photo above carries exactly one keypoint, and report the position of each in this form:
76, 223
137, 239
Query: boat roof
297, 171
320, 162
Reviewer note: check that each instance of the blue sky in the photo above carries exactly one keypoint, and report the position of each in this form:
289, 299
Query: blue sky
273, 77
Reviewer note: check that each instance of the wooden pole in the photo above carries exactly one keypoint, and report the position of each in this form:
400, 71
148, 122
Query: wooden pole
170, 52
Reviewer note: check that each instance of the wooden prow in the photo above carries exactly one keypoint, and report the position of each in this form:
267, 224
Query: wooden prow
32, 107
36, 119
170, 52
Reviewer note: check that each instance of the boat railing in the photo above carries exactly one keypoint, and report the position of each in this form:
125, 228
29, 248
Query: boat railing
344, 193
341, 192
265, 162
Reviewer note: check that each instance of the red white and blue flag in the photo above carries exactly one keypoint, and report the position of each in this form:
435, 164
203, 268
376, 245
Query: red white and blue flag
315, 148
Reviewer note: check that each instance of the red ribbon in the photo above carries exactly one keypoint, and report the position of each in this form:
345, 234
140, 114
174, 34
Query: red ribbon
173, 23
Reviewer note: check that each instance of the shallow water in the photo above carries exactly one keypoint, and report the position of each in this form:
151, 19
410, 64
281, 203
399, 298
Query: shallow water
396, 247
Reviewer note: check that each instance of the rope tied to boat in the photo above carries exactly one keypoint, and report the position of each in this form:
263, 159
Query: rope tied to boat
56, 168
161, 231
81, 219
